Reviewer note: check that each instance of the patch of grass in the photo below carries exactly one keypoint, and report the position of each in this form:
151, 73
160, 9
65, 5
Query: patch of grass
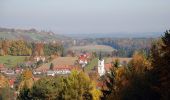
11, 61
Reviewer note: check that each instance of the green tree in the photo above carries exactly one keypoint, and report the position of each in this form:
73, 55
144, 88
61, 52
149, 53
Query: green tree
111, 82
24, 93
76, 86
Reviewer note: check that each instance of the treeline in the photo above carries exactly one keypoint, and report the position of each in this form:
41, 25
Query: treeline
126, 47
77, 86
23, 48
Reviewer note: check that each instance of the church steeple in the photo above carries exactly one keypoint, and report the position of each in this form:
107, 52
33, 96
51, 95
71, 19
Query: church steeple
101, 69
100, 56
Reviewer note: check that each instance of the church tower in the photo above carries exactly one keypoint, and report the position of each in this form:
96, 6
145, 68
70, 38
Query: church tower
101, 69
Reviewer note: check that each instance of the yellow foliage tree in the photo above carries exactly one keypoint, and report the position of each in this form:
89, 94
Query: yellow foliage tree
139, 63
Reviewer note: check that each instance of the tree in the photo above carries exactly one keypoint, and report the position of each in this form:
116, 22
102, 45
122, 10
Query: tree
76, 86
111, 82
51, 66
139, 63
27, 74
80, 87
5, 92
160, 54
24, 93
47, 89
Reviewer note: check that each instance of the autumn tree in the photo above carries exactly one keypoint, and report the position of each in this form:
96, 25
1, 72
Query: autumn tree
19, 48
139, 63
25, 85
76, 86
5, 91
111, 82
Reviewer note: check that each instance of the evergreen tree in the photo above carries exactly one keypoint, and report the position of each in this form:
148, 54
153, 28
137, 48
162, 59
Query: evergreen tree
161, 66
51, 66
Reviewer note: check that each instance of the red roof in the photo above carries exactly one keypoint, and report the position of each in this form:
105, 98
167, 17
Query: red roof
11, 81
1, 65
108, 66
63, 68
83, 57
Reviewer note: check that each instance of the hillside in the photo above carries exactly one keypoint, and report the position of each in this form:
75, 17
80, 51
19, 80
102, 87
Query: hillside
30, 35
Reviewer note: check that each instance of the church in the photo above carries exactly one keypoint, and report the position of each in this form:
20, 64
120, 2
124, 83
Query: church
101, 67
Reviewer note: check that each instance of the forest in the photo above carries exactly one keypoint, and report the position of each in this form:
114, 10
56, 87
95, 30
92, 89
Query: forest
24, 48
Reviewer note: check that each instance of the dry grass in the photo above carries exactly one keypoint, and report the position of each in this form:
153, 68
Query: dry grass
108, 60
93, 48
60, 61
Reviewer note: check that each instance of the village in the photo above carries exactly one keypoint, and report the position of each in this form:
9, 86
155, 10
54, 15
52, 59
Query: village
62, 66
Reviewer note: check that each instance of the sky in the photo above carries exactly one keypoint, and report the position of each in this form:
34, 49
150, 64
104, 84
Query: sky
87, 16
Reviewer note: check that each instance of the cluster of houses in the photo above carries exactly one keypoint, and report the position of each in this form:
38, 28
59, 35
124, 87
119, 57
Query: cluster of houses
83, 59
38, 58
7, 71
57, 70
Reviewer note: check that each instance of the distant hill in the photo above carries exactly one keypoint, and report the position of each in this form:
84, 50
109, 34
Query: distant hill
30, 35
115, 35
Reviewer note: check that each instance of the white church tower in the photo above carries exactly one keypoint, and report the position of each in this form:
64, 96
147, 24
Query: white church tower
101, 69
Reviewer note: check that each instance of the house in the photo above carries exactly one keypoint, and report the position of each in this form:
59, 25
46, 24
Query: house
38, 58
50, 73
2, 68
83, 59
36, 72
59, 70
18, 70
63, 70
10, 72
11, 83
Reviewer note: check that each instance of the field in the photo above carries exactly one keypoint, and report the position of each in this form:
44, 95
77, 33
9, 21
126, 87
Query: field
92, 48
60, 61
11, 61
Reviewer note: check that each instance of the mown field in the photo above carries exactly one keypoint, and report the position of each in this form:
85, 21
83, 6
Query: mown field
93, 48
60, 61
11, 61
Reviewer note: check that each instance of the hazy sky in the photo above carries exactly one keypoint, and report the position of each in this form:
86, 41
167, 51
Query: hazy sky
87, 16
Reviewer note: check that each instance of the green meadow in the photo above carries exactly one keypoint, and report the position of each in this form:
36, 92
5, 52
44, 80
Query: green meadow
11, 61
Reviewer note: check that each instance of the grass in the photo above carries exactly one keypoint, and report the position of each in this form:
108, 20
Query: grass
93, 48
11, 61
91, 64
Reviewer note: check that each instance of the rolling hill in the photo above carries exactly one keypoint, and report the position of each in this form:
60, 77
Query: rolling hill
29, 35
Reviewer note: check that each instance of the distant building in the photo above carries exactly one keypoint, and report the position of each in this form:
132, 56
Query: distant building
101, 67
2, 68
18, 70
83, 59
11, 82
38, 58
59, 70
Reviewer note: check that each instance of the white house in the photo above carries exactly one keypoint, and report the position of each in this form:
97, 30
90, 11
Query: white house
38, 58
83, 60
